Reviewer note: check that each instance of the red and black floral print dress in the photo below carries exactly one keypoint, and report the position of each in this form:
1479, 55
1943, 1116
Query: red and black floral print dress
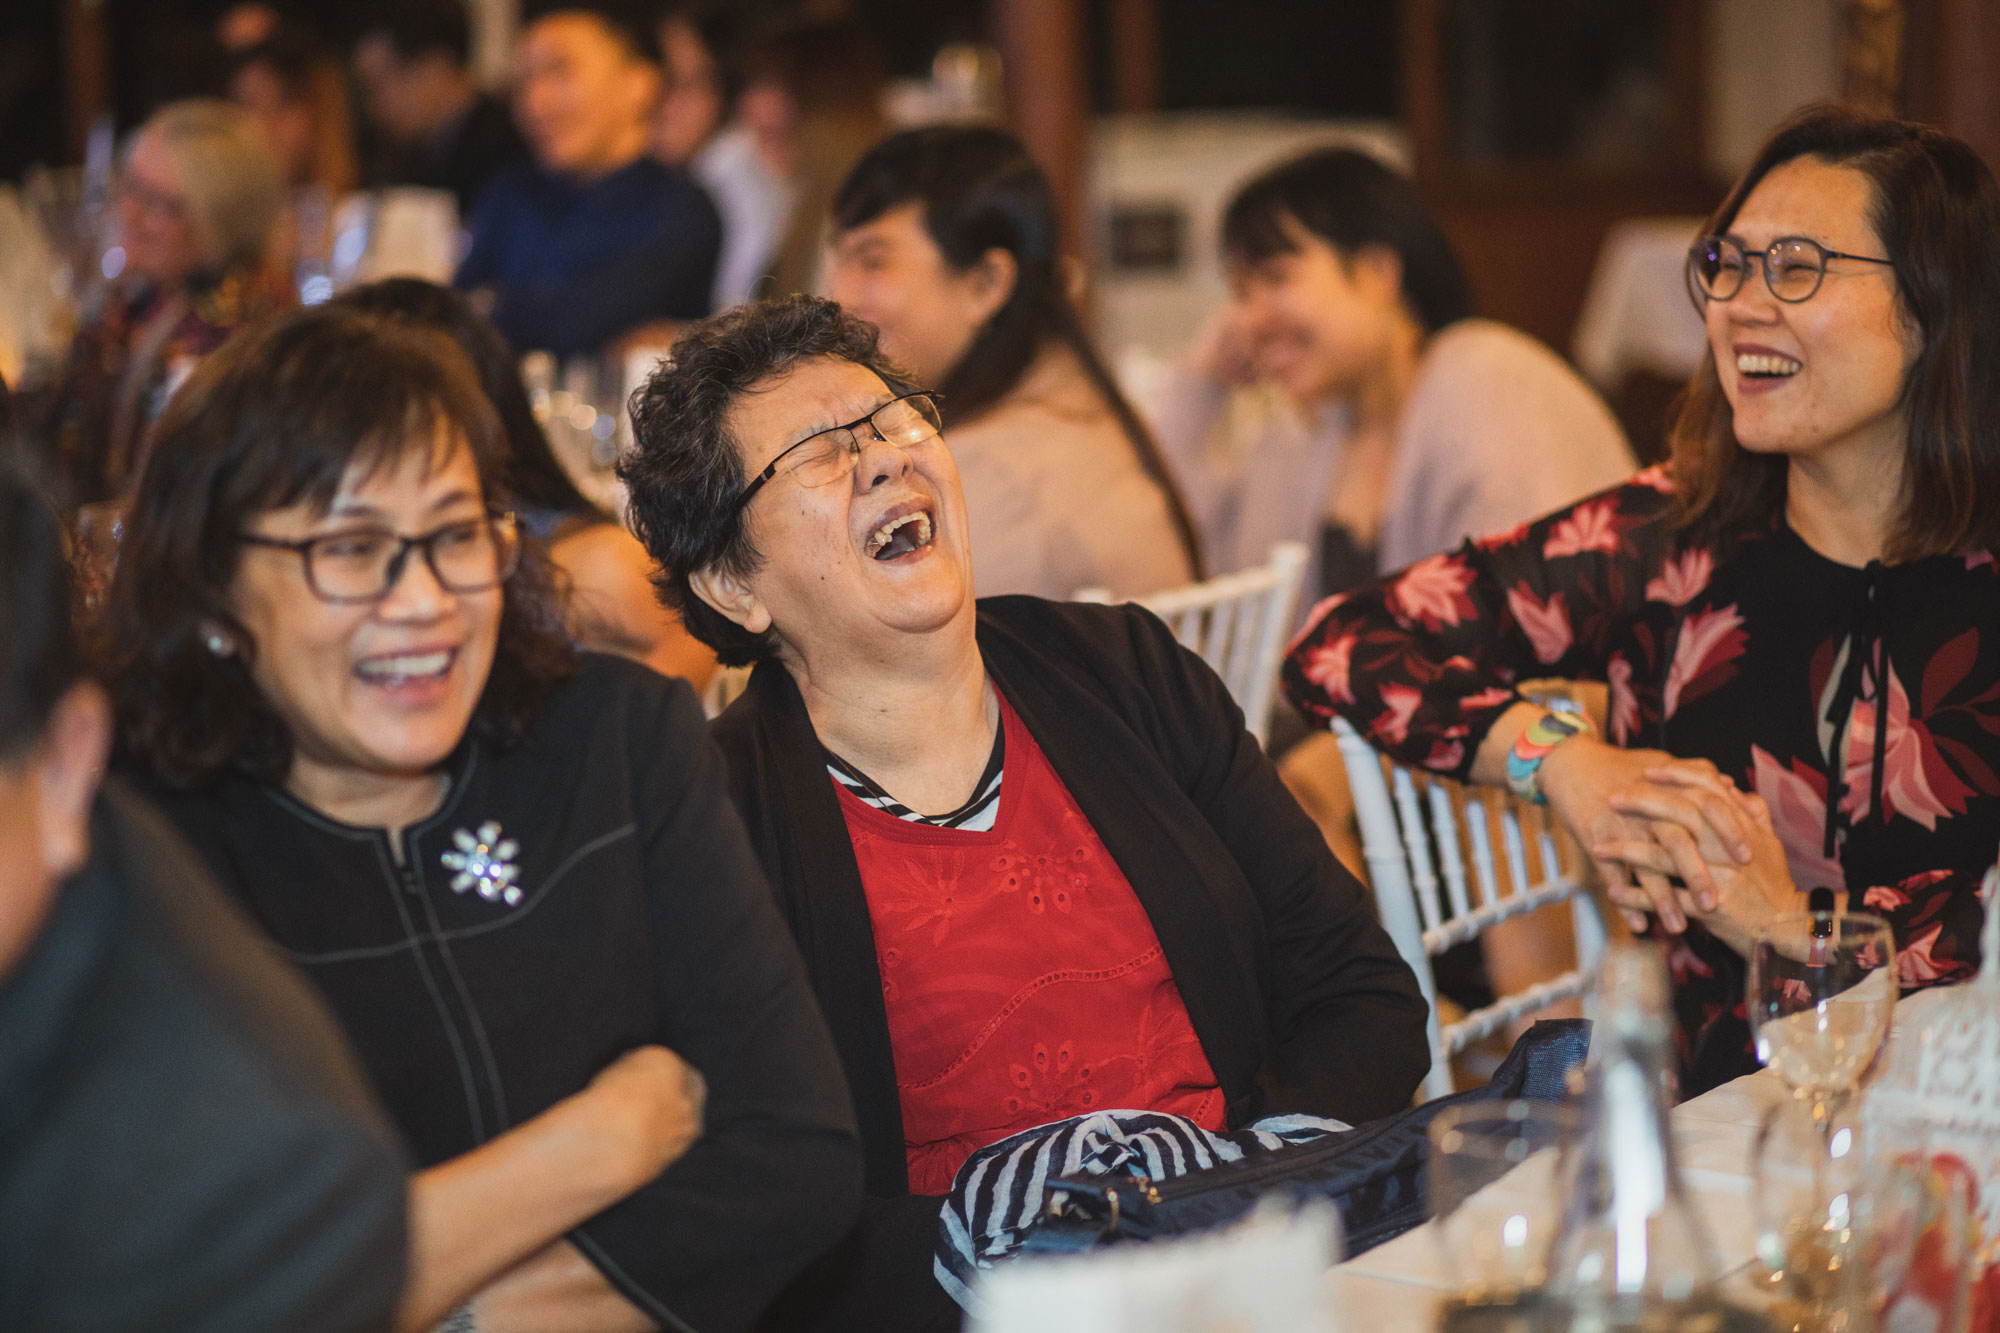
1754, 652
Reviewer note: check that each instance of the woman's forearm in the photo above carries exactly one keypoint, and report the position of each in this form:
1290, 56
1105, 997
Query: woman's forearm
483, 1212
480, 1213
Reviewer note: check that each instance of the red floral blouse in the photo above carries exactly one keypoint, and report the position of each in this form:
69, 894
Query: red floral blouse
1754, 652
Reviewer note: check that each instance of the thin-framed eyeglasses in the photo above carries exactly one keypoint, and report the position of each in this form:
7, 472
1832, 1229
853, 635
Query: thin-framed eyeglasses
1794, 267
137, 190
828, 456
361, 565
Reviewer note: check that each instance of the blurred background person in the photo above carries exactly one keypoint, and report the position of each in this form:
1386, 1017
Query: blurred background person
297, 93
241, 26
435, 127
612, 607
592, 239
152, 1036
812, 99
694, 96
745, 164
199, 198
1405, 423
946, 240
1402, 425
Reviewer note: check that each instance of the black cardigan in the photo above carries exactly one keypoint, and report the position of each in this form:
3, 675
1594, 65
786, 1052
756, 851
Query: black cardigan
1296, 993
642, 917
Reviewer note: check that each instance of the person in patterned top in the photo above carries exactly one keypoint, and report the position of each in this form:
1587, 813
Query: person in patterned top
198, 199
1798, 617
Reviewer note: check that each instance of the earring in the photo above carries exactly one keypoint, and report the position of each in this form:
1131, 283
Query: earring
216, 643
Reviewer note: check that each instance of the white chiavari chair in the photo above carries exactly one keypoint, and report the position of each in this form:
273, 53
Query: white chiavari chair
1237, 624
1440, 881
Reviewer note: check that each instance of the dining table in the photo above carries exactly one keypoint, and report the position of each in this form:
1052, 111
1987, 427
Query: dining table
1402, 1285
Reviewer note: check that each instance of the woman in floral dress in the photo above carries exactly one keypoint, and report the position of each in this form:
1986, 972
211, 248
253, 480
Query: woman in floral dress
1798, 618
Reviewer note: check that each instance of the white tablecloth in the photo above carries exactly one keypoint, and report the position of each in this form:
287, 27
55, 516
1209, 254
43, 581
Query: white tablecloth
1398, 1287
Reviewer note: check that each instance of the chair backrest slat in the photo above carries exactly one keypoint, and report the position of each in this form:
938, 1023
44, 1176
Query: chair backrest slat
1451, 861
1480, 833
1517, 855
1545, 841
1388, 864
1416, 842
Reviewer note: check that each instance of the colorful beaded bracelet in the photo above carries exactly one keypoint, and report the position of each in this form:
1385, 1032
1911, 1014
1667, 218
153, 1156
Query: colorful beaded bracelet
1524, 761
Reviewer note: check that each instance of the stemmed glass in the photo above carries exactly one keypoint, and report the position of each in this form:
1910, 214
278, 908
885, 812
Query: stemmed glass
1822, 990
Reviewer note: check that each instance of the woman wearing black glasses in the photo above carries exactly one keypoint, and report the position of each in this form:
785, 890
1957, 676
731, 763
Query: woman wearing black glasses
512, 871
1036, 865
1798, 617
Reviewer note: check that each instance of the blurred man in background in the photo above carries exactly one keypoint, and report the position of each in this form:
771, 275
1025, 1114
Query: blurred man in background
185, 1141
437, 129
593, 239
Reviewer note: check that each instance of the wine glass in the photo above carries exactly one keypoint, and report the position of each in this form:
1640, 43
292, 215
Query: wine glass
1494, 1225
1821, 992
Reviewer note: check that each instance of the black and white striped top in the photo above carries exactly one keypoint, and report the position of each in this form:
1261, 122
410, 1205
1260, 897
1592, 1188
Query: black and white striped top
975, 816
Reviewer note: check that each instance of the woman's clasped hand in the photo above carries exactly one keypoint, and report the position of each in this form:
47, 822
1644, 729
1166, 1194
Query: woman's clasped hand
1672, 838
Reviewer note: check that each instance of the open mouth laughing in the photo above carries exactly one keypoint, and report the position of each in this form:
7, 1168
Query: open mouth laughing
904, 530
1767, 366
396, 670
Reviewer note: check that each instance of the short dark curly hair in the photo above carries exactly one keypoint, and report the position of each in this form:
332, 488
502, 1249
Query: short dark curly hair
686, 471
276, 417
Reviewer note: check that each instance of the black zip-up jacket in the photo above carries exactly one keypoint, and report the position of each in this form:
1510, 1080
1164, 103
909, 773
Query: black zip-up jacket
1296, 993
634, 912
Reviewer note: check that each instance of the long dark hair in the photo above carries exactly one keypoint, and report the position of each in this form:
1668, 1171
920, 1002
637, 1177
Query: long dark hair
981, 191
276, 417
1936, 210
532, 472
1350, 200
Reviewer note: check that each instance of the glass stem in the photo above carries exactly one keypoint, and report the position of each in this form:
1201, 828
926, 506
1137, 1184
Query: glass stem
1826, 1110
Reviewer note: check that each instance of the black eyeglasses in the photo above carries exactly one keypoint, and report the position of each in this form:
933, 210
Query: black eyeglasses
1794, 267
363, 564
827, 456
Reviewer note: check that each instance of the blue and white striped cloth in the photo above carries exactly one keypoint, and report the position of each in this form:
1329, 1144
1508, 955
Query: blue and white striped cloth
1002, 1191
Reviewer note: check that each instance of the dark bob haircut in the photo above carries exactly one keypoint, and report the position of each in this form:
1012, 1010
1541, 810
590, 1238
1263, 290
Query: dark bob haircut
1350, 200
981, 191
38, 652
532, 474
277, 417
1936, 210
686, 470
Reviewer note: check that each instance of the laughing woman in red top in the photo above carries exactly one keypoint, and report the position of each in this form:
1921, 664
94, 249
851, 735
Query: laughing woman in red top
1035, 864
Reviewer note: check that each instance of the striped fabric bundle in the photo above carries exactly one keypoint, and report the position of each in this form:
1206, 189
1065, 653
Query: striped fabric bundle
1006, 1188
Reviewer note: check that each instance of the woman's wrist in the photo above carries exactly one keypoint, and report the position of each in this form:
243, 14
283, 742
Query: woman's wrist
1544, 735
595, 1141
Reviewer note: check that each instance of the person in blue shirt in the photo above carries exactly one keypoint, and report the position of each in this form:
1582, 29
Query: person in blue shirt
592, 239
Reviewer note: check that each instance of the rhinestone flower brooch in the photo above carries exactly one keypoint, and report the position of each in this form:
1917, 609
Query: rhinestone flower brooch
485, 862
